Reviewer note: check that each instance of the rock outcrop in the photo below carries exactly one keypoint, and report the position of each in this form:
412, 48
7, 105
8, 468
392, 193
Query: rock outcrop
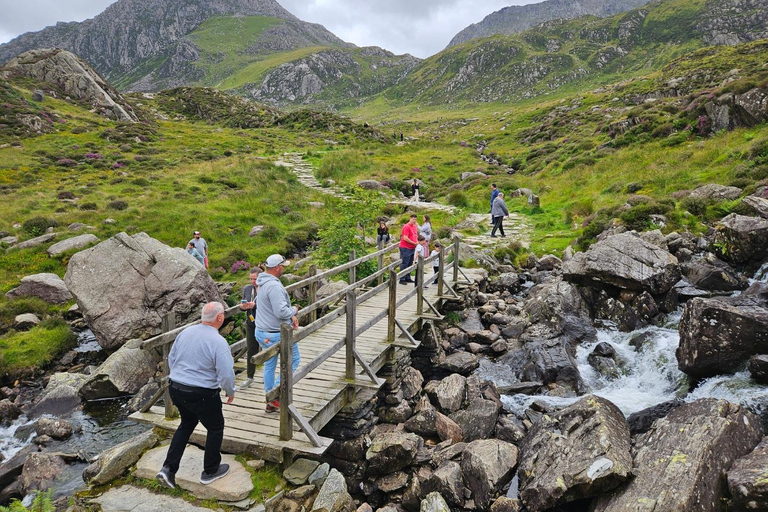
747, 480
126, 284
741, 239
48, 287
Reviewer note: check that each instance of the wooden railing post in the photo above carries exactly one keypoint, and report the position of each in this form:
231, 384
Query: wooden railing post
313, 292
286, 381
441, 270
392, 308
456, 247
420, 287
353, 270
351, 327
168, 324
379, 247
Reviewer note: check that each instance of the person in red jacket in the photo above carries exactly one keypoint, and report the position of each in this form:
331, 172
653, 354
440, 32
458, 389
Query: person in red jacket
408, 241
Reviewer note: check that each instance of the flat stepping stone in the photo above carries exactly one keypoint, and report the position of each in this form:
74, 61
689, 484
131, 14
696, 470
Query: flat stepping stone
137, 499
236, 486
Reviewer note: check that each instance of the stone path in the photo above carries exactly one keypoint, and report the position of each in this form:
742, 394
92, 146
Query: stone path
515, 226
137, 499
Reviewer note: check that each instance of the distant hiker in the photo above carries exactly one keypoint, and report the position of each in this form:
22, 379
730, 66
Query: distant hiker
201, 365
394, 136
408, 241
202, 247
426, 228
273, 309
498, 212
191, 250
382, 234
421, 252
401, 136
415, 189
248, 304
436, 261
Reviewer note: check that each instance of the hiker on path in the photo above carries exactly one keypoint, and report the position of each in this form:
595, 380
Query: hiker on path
382, 234
408, 242
498, 212
426, 228
494, 195
202, 247
422, 249
191, 250
273, 309
248, 304
415, 190
201, 366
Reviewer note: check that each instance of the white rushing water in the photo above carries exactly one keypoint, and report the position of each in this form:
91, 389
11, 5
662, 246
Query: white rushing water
15, 436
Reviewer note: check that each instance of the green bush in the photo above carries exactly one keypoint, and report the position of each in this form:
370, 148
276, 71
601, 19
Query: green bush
639, 217
509, 253
89, 206
695, 205
233, 256
36, 226
117, 205
458, 198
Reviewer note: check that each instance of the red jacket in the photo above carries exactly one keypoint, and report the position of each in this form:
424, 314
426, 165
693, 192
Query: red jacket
411, 232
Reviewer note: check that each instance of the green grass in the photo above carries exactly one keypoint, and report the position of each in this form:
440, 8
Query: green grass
252, 72
38, 346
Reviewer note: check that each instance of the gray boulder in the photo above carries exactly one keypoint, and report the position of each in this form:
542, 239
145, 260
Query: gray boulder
548, 262
25, 321
713, 274
54, 427
716, 192
478, 420
126, 284
60, 395
298, 472
423, 421
741, 239
8, 411
556, 311
508, 281
747, 480
123, 373
115, 461
463, 363
718, 335
576, 453
48, 287
333, 495
40, 470
411, 383
35, 242
758, 205
487, 465
76, 242
681, 463
446, 481
392, 451
369, 185
451, 392
471, 324
625, 261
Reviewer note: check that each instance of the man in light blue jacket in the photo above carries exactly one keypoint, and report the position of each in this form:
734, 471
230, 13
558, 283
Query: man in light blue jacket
273, 308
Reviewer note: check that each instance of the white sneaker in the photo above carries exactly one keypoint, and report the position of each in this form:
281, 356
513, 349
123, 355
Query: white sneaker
246, 383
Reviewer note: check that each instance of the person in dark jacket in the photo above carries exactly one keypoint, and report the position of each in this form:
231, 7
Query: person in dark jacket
498, 212
382, 234
248, 304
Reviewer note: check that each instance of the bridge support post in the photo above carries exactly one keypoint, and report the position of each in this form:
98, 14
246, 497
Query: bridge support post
441, 270
456, 244
353, 270
168, 324
350, 343
313, 292
392, 308
420, 287
286, 382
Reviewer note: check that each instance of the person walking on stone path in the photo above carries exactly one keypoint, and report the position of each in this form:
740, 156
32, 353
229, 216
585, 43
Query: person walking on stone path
408, 241
415, 190
498, 212
426, 228
248, 304
191, 250
382, 234
202, 247
273, 308
201, 365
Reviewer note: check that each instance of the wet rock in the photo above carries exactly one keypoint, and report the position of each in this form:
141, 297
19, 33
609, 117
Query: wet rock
333, 495
153, 279
547, 361
46, 286
556, 310
718, 335
434, 502
40, 470
747, 480
60, 395
641, 421
625, 261
115, 461
142, 396
423, 420
123, 373
594, 435
478, 420
447, 482
8, 411
450, 394
471, 323
54, 427
758, 368
508, 282
76, 242
390, 452
605, 361
713, 274
674, 466
25, 321
462, 363
741, 239
487, 465
447, 429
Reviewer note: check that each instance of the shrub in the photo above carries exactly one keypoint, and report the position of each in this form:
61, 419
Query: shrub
299, 240
66, 195
117, 205
239, 265
36, 226
233, 257
270, 232
639, 217
205, 179
218, 272
140, 182
66, 162
458, 198
89, 206
633, 187
740, 182
443, 233
508, 253
759, 150
695, 205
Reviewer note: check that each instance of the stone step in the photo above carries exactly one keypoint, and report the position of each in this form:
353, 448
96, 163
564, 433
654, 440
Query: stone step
133, 499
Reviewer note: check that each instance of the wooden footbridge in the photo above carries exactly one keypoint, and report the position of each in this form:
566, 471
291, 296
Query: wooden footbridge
348, 337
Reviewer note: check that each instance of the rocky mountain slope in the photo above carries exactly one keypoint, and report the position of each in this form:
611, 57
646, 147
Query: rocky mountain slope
145, 44
518, 18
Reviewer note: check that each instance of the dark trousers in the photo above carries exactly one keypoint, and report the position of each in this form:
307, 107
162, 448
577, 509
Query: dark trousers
498, 223
253, 348
406, 260
203, 406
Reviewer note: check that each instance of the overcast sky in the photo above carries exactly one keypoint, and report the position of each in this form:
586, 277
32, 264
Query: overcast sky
419, 27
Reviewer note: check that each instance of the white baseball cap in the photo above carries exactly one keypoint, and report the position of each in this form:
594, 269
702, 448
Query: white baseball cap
276, 260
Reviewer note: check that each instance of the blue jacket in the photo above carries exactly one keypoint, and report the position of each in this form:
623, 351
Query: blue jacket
494, 194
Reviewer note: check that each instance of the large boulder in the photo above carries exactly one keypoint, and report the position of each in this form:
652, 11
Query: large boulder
447, 481
556, 310
40, 470
76, 242
333, 495
625, 261
758, 368
54, 427
716, 192
741, 239
713, 274
126, 284
450, 393
748, 480
46, 286
487, 465
576, 453
718, 335
681, 462
392, 451
478, 420
759, 205
61, 395
123, 373
115, 461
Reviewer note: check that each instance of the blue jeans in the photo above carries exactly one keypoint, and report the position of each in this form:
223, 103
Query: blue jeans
267, 340
406, 260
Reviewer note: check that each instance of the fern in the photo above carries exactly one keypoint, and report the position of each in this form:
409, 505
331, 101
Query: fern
41, 503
